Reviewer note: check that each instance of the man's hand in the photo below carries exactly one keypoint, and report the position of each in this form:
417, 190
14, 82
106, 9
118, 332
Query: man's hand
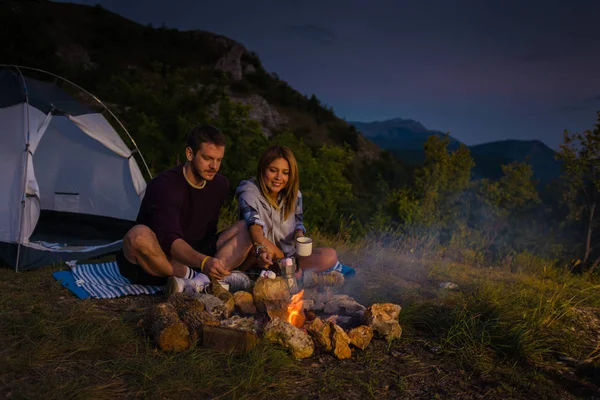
215, 268
298, 233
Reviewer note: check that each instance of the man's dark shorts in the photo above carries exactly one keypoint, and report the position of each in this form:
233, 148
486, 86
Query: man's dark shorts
138, 276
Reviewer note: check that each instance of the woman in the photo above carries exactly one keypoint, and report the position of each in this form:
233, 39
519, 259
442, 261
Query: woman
271, 205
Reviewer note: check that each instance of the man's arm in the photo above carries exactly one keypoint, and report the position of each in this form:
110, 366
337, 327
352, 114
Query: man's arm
184, 253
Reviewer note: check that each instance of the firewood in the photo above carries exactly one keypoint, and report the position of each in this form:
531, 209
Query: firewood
193, 314
165, 328
224, 295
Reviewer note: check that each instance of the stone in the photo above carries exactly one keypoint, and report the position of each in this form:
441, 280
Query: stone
361, 336
340, 342
321, 333
232, 62
448, 286
271, 295
343, 304
295, 340
244, 302
383, 319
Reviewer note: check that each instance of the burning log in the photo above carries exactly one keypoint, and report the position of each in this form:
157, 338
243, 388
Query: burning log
193, 314
165, 328
271, 295
292, 338
361, 336
244, 302
383, 319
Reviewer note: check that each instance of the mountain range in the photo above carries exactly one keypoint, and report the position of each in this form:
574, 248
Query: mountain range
405, 139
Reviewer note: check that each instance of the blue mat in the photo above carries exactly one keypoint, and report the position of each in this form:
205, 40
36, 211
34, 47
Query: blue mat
100, 281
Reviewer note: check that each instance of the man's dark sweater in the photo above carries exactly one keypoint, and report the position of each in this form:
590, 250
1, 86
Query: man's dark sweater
173, 209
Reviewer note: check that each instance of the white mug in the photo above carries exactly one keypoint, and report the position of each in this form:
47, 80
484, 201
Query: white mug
304, 246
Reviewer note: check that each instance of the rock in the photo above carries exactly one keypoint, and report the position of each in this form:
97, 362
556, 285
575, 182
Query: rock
232, 62
271, 295
292, 338
448, 285
250, 69
244, 302
361, 336
308, 305
343, 304
321, 333
261, 111
383, 319
340, 342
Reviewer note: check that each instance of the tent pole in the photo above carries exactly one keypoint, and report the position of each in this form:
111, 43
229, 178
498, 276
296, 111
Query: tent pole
98, 100
27, 152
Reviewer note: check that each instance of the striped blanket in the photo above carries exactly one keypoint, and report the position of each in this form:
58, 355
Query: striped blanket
103, 281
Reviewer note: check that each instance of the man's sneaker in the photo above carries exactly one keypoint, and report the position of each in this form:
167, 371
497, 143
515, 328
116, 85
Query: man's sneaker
180, 285
237, 281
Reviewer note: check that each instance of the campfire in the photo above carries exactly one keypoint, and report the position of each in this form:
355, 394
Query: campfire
314, 318
295, 312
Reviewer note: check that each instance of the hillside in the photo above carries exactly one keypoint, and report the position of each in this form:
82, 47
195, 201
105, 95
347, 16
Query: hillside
161, 81
405, 139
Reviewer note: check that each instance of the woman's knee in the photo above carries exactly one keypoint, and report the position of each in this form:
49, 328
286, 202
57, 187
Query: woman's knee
330, 257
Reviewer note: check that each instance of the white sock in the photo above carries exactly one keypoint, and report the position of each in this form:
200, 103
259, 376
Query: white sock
189, 273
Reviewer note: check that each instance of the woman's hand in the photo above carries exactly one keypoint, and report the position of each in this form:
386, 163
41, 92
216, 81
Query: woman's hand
298, 233
265, 260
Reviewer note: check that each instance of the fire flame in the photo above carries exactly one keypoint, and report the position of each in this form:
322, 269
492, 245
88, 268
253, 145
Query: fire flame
295, 312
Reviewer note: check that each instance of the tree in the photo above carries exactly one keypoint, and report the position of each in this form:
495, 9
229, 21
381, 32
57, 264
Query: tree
498, 202
580, 157
434, 198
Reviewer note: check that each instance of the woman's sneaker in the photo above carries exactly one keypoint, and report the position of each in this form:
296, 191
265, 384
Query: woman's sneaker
345, 270
237, 281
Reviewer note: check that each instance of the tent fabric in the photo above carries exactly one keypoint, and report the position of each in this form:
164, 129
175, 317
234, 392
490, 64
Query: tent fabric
59, 157
96, 126
44, 96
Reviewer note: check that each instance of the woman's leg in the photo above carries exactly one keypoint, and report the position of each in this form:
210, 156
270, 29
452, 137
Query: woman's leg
320, 259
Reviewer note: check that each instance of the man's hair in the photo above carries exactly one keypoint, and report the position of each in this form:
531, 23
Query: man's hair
205, 134
290, 191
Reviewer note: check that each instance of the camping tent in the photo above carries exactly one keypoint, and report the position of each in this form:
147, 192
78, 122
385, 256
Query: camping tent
69, 186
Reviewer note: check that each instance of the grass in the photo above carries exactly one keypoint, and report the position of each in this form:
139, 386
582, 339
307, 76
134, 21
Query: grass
501, 334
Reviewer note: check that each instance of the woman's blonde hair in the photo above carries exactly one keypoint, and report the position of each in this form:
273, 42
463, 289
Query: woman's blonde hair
290, 191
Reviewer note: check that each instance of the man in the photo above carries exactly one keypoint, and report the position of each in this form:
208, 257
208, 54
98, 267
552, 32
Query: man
176, 232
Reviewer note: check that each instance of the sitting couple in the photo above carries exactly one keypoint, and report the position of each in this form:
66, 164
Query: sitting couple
175, 240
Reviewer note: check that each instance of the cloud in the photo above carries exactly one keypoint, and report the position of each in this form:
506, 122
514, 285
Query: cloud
593, 99
567, 109
313, 32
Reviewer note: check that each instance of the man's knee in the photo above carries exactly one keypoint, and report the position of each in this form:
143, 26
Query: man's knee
139, 238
